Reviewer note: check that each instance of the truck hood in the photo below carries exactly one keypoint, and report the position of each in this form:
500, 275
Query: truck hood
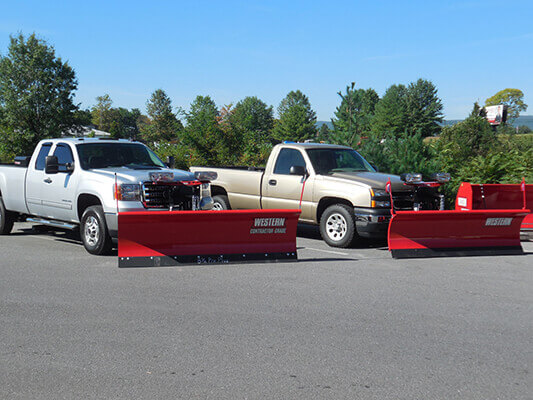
129, 175
375, 180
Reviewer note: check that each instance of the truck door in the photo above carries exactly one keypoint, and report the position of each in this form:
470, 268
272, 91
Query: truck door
35, 181
282, 190
59, 190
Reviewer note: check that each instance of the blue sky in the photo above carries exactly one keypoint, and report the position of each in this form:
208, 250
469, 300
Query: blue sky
232, 49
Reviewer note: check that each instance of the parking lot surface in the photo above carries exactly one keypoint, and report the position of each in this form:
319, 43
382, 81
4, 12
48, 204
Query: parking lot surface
339, 323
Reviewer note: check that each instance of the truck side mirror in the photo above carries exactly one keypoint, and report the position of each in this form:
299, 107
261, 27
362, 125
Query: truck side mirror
51, 165
298, 170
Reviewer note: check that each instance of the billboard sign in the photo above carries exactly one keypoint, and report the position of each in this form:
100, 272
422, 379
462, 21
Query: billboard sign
496, 114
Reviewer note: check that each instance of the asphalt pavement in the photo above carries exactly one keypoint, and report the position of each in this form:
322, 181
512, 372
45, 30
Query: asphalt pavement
336, 324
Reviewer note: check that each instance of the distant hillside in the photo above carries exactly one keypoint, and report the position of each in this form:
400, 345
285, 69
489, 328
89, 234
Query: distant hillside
526, 120
320, 123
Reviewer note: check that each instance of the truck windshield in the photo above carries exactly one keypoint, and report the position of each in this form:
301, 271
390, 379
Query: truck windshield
106, 155
329, 161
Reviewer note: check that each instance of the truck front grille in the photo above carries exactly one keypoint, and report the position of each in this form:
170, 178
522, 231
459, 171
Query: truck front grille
403, 200
171, 195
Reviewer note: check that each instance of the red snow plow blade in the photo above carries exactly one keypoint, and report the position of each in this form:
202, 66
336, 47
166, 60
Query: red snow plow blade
166, 238
415, 234
497, 196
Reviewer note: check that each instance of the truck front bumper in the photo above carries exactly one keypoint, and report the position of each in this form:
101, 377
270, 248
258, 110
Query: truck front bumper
372, 223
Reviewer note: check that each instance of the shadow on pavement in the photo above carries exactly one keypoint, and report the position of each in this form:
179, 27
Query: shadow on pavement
308, 231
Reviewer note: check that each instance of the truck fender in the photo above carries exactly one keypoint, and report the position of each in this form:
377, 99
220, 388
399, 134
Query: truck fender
325, 202
87, 199
218, 190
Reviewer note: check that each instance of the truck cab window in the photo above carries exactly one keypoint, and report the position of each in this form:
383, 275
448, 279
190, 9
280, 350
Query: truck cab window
64, 156
41, 157
286, 159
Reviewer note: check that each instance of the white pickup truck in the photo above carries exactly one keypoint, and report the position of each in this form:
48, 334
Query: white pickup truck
343, 193
83, 182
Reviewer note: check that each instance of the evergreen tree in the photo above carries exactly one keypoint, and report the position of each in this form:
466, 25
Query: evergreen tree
324, 133
424, 109
36, 95
252, 122
252, 114
390, 116
296, 118
354, 115
164, 125
205, 135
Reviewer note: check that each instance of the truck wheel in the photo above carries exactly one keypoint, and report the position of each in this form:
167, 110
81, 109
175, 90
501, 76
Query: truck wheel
7, 219
221, 202
93, 231
337, 226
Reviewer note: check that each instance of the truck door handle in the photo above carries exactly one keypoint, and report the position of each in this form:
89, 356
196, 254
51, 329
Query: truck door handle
48, 180
272, 182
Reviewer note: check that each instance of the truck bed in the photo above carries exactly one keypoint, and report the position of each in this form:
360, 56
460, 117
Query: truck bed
14, 178
242, 185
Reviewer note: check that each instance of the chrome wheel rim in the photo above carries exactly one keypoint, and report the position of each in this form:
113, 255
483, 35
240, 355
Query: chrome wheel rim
217, 206
92, 231
336, 227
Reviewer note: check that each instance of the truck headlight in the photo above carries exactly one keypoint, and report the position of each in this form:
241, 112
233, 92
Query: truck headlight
379, 193
441, 177
380, 198
411, 178
127, 192
206, 175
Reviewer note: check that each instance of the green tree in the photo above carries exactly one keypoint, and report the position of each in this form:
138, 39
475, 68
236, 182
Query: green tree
204, 134
324, 133
424, 109
164, 125
102, 113
390, 115
251, 123
128, 120
397, 154
478, 111
252, 114
469, 138
354, 115
512, 98
296, 118
523, 129
36, 94
83, 117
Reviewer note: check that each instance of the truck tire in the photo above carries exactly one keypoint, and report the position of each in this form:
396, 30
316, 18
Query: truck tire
221, 202
93, 231
7, 219
337, 226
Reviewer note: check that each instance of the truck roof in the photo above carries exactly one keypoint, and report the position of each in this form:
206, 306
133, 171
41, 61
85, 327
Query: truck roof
314, 145
88, 140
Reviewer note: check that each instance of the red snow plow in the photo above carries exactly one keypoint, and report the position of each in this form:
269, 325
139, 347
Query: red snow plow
460, 232
497, 196
167, 238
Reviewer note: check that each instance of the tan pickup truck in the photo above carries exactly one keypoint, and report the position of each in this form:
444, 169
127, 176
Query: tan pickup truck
343, 193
